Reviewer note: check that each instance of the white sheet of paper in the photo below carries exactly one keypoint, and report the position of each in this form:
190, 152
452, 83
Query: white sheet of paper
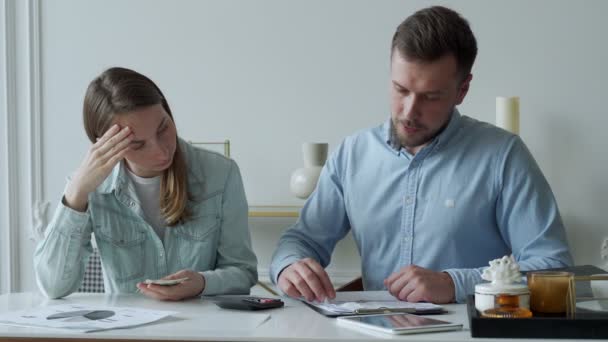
82, 318
232, 321
351, 301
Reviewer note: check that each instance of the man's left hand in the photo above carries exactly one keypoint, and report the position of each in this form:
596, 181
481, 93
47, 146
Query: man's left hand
187, 289
417, 284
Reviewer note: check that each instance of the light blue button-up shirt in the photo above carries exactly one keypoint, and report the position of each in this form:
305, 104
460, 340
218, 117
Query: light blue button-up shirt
473, 194
214, 241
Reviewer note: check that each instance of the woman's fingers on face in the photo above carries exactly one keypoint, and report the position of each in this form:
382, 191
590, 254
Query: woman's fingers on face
124, 143
107, 135
122, 135
115, 158
117, 150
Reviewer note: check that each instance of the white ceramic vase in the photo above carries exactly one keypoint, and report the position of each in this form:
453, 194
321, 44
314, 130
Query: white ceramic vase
304, 180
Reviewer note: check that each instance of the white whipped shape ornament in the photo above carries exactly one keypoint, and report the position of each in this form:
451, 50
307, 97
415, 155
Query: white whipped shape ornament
502, 271
504, 276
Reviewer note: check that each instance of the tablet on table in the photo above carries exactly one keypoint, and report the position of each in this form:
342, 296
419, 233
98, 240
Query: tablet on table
398, 323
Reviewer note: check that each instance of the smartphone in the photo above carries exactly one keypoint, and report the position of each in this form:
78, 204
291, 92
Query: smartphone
248, 303
399, 323
166, 282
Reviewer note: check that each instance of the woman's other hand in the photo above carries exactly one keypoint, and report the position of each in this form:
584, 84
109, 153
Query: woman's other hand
192, 287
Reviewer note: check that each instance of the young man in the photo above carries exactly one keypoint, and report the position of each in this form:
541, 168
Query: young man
430, 195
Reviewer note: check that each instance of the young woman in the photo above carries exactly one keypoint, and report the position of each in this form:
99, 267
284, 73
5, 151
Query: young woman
159, 207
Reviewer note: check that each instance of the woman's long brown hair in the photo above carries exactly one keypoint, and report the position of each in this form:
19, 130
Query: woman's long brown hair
118, 91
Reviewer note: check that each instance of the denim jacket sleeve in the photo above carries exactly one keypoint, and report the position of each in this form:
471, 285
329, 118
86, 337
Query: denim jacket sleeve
236, 266
59, 259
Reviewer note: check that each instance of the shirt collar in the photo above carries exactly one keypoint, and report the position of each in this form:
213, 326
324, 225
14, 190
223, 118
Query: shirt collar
444, 136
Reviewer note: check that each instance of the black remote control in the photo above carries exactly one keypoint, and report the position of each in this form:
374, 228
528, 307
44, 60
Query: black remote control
246, 302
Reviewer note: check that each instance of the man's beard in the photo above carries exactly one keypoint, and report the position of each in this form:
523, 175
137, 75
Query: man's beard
403, 141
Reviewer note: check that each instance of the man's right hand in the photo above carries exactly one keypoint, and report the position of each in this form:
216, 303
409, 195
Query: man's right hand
97, 166
306, 278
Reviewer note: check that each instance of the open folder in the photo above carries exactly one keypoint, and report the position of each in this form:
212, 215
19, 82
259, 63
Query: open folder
370, 302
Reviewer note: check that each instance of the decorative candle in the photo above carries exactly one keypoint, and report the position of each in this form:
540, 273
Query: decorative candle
507, 113
549, 291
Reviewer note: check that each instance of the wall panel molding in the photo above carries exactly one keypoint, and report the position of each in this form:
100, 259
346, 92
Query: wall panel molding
39, 205
22, 207
9, 222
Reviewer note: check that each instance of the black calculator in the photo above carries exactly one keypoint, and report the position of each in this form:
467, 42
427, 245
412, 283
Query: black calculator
246, 302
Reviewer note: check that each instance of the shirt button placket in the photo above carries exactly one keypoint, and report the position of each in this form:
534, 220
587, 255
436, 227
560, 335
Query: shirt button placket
410, 203
408, 221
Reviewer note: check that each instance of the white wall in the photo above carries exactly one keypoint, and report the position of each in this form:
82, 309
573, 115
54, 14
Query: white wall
272, 74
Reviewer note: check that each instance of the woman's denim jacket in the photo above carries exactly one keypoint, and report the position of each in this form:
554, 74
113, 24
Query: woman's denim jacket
214, 241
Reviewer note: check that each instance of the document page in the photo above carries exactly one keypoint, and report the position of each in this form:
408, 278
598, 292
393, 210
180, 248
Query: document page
365, 302
82, 318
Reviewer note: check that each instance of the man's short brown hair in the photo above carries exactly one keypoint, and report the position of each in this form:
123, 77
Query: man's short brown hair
434, 32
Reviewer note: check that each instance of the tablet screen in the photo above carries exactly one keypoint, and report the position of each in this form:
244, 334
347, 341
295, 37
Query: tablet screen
400, 323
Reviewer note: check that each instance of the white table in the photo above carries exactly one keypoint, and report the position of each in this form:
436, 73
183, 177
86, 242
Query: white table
294, 322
